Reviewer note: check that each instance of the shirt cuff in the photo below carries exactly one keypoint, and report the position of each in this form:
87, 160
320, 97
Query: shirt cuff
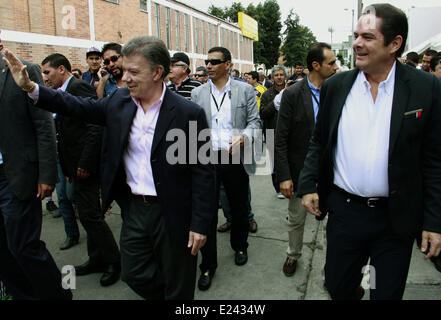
34, 94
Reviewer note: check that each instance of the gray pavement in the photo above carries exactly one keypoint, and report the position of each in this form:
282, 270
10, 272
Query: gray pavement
262, 277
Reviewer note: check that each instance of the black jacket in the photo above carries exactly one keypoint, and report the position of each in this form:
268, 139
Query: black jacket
186, 192
294, 129
27, 137
414, 149
79, 143
268, 112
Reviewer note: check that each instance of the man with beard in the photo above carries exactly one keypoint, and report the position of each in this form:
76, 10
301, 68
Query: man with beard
428, 55
113, 66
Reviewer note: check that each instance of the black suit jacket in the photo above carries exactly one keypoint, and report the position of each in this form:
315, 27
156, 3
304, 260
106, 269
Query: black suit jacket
294, 129
186, 192
79, 141
27, 137
414, 149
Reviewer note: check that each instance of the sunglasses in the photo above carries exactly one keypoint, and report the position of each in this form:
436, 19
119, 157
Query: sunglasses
214, 62
199, 75
112, 58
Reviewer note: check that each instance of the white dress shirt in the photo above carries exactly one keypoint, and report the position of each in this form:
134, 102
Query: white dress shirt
221, 121
361, 154
137, 155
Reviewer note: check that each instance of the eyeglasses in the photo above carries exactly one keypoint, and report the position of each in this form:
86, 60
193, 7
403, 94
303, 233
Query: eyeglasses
214, 62
112, 58
179, 65
199, 75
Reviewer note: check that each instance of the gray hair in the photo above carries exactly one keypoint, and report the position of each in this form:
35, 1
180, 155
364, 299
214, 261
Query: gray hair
277, 68
152, 48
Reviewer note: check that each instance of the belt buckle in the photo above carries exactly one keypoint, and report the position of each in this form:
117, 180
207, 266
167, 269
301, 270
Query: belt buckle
369, 202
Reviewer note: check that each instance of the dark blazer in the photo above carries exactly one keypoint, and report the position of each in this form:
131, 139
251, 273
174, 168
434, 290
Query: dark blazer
294, 129
186, 192
27, 137
79, 142
268, 112
414, 149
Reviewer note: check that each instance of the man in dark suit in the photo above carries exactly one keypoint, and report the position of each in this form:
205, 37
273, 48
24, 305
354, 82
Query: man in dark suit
28, 173
166, 207
374, 162
298, 113
79, 153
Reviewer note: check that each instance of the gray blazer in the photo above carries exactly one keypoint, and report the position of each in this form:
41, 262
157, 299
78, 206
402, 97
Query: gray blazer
244, 114
27, 137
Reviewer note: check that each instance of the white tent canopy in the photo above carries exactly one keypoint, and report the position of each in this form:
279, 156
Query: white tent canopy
433, 43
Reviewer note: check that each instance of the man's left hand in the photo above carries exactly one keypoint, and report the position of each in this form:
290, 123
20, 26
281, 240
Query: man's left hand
435, 244
83, 174
236, 144
196, 241
45, 190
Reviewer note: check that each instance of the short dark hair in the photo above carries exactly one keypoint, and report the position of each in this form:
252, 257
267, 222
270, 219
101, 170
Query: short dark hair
225, 52
430, 53
112, 46
414, 57
77, 70
254, 75
298, 63
434, 62
394, 23
57, 59
235, 71
316, 54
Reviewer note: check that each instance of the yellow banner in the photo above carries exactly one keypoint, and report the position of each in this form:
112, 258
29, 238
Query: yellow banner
249, 26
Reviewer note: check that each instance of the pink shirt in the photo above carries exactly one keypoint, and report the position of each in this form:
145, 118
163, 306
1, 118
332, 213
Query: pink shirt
137, 155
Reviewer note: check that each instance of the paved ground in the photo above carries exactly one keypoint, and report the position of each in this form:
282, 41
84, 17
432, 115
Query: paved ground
262, 277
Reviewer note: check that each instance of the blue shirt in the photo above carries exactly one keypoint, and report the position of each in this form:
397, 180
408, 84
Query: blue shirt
111, 85
93, 80
1, 158
316, 92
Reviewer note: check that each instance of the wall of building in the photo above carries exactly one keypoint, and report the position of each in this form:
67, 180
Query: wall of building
37, 28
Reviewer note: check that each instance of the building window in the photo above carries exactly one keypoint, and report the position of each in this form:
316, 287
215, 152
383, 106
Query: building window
209, 35
113, 1
143, 5
186, 31
203, 36
167, 25
196, 32
216, 36
178, 32
158, 25
221, 37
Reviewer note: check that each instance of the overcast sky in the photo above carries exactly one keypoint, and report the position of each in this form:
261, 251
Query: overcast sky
319, 15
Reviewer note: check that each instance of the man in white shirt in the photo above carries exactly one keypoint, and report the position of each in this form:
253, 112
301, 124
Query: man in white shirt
374, 162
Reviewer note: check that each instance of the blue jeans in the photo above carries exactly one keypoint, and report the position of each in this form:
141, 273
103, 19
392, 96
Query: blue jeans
66, 205
226, 206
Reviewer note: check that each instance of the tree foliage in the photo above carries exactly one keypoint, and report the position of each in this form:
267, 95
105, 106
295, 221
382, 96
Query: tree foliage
297, 40
268, 17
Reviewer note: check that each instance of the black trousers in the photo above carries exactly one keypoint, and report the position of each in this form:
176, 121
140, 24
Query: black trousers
26, 267
235, 181
355, 233
101, 245
153, 265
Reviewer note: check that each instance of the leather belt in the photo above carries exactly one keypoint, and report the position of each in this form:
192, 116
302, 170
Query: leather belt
145, 199
371, 202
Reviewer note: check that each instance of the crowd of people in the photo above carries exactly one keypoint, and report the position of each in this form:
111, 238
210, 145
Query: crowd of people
361, 146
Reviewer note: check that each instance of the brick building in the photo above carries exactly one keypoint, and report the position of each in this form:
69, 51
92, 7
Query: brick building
36, 28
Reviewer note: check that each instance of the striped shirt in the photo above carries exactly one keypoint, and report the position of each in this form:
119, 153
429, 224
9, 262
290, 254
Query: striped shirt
185, 88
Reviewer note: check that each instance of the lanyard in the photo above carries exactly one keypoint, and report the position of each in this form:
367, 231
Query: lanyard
313, 95
222, 102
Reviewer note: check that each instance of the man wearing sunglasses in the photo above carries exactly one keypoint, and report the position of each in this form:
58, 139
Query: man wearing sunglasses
111, 73
180, 81
201, 74
231, 110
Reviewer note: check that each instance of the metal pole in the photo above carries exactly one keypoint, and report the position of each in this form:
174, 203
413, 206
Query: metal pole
352, 41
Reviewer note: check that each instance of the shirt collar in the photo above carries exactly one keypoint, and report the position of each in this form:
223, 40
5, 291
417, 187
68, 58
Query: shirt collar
225, 89
65, 84
157, 104
313, 87
387, 85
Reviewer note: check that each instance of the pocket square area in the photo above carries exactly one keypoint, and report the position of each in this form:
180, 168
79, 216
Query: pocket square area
414, 113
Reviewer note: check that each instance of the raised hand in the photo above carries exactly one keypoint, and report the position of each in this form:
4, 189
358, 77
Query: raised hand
18, 71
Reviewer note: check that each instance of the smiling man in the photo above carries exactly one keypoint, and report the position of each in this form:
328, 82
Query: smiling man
166, 208
111, 73
374, 162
